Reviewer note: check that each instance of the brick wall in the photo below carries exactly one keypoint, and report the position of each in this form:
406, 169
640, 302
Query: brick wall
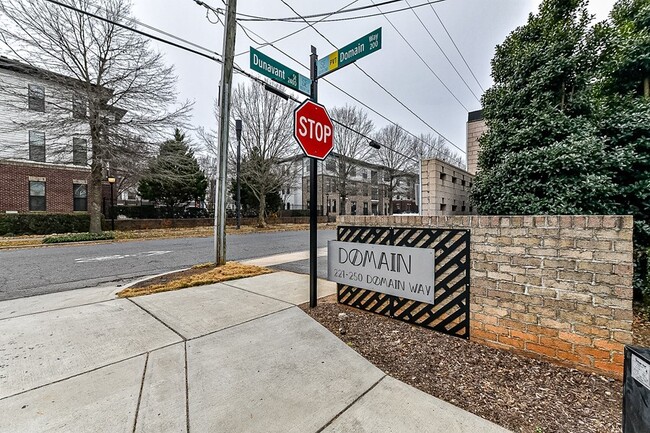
552, 287
147, 224
14, 185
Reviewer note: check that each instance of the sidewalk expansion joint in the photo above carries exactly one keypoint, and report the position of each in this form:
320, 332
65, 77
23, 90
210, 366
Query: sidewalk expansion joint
187, 392
137, 406
350, 405
54, 309
242, 323
225, 283
88, 371
159, 320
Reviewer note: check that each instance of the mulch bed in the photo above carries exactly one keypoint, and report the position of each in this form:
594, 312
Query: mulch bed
516, 392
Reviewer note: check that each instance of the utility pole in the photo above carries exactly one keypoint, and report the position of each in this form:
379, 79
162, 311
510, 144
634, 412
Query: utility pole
224, 123
313, 196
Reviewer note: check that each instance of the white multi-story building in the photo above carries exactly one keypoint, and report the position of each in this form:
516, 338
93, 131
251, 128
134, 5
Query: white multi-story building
44, 141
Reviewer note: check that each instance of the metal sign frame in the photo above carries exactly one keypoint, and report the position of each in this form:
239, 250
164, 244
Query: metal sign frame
450, 312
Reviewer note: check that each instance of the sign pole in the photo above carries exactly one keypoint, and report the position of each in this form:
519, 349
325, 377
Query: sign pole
313, 196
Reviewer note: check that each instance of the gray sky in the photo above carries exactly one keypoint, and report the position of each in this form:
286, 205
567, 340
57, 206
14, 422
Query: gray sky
477, 26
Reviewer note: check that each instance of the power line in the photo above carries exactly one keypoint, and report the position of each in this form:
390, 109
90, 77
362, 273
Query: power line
140, 32
324, 14
237, 69
295, 32
381, 86
425, 63
355, 98
297, 19
457, 49
443, 53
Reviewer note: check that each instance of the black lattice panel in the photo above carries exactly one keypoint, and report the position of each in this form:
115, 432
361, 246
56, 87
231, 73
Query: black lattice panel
450, 311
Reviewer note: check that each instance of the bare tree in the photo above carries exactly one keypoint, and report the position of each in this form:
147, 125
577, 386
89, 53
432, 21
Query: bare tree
267, 143
433, 146
349, 146
396, 156
103, 81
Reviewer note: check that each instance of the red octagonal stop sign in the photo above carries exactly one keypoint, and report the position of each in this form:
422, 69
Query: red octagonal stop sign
313, 129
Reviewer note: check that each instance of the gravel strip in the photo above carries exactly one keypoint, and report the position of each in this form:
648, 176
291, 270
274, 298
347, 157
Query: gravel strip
516, 392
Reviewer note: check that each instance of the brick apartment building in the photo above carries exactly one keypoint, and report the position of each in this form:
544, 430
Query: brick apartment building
40, 170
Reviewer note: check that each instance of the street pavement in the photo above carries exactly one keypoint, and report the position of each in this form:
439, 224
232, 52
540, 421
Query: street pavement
35, 271
231, 357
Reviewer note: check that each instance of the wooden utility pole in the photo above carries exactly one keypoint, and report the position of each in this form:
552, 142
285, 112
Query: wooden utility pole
225, 88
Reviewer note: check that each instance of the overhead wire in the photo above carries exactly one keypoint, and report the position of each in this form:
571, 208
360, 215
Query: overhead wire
425, 63
457, 49
219, 60
383, 87
246, 17
443, 53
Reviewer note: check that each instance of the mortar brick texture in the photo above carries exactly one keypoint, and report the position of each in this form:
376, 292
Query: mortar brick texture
475, 129
570, 303
59, 180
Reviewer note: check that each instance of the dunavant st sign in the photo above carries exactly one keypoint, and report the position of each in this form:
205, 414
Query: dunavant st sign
398, 271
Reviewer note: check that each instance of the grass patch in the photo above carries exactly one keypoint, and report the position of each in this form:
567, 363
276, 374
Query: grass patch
197, 276
78, 237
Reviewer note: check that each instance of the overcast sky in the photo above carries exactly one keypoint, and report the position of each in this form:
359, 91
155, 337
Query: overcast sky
476, 26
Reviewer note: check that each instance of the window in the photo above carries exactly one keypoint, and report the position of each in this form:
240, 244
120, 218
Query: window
453, 179
37, 146
454, 208
288, 190
36, 97
330, 164
364, 173
79, 107
462, 182
443, 206
353, 171
37, 196
386, 176
373, 177
375, 194
80, 194
79, 151
443, 176
462, 209
365, 208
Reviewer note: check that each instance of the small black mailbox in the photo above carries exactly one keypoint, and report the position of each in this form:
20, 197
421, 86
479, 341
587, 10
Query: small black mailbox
636, 390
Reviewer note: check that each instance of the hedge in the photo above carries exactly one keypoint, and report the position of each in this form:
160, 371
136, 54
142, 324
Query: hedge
78, 237
43, 224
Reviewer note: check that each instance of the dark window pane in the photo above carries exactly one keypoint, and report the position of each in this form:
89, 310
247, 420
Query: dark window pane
36, 97
79, 151
37, 196
36, 146
79, 107
80, 194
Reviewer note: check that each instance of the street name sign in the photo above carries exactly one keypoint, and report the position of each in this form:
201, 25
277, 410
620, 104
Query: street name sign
398, 271
313, 129
278, 72
349, 53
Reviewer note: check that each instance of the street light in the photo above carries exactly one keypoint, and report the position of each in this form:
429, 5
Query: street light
111, 181
238, 128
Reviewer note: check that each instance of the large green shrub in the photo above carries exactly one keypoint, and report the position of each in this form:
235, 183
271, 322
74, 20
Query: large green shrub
78, 237
43, 224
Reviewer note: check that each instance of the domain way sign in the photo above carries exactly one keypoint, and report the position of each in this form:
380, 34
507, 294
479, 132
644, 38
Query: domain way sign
349, 53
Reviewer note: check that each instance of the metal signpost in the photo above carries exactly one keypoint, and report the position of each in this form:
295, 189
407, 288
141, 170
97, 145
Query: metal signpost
313, 129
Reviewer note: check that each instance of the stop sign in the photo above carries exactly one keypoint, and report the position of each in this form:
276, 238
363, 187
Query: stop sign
313, 129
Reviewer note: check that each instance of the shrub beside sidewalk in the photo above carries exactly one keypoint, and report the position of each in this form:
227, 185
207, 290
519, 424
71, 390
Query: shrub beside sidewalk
78, 237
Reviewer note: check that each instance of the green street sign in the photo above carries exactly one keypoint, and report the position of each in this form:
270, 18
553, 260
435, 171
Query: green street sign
280, 73
349, 53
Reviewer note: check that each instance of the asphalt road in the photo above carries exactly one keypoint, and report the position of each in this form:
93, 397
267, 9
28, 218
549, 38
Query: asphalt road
35, 271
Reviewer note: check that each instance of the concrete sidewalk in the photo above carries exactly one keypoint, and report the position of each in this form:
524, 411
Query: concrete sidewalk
232, 357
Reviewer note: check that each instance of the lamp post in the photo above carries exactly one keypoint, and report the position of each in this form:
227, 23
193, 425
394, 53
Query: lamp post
328, 206
111, 181
238, 128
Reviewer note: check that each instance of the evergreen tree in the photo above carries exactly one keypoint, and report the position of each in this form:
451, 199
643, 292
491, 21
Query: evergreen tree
174, 176
541, 153
622, 114
250, 205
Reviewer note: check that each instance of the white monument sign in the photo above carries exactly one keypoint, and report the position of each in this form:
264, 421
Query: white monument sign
399, 271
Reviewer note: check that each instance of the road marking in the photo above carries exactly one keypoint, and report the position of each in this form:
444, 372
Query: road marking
120, 256
279, 259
